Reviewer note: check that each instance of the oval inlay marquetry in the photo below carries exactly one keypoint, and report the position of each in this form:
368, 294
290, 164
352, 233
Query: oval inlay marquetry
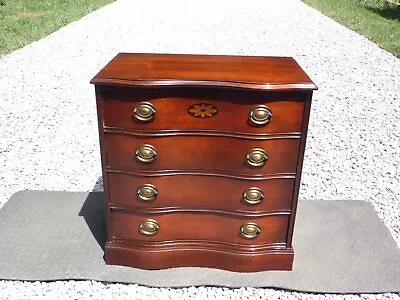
202, 110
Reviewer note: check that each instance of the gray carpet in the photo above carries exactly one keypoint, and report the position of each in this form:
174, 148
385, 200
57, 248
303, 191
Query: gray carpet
340, 247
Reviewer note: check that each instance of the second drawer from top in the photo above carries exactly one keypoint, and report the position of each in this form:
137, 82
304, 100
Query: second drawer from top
199, 153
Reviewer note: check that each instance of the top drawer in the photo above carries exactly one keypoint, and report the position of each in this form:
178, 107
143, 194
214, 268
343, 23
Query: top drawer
203, 109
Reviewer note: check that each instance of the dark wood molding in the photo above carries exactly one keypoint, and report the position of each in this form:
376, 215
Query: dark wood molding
203, 83
225, 258
203, 173
201, 244
217, 133
226, 212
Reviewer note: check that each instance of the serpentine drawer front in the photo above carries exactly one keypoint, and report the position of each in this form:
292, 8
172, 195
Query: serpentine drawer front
161, 192
217, 154
202, 158
182, 226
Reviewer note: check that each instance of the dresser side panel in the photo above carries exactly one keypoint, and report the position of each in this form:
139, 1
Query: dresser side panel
307, 99
99, 105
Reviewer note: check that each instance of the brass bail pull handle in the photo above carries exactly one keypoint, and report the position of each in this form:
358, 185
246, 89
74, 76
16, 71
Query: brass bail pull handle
146, 153
149, 227
256, 157
250, 231
144, 112
147, 192
261, 115
253, 196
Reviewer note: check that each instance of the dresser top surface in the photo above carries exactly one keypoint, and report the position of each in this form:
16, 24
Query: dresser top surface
180, 70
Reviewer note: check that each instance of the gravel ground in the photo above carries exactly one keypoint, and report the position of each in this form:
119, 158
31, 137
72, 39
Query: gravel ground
48, 133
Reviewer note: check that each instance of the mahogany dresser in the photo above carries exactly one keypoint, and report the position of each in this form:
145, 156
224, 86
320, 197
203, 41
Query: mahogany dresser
202, 158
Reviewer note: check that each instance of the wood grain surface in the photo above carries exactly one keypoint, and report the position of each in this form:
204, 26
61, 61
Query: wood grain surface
172, 110
199, 227
202, 153
200, 192
250, 72
200, 171
197, 255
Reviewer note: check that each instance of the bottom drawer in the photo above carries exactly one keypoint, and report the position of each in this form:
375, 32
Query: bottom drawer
200, 226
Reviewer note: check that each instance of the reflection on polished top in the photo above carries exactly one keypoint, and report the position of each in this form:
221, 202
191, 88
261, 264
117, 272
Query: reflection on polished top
252, 72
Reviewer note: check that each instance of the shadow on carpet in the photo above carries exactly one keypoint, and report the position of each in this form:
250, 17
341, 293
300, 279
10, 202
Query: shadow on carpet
340, 247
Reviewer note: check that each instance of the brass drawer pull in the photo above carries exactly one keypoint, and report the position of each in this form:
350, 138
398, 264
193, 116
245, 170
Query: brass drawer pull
250, 230
144, 112
149, 227
253, 196
147, 192
261, 115
256, 157
146, 153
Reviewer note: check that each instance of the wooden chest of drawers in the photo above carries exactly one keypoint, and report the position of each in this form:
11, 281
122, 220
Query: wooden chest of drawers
202, 158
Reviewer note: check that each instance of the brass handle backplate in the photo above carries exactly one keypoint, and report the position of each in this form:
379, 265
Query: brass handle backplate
261, 115
144, 112
256, 157
146, 153
253, 196
149, 227
250, 231
147, 192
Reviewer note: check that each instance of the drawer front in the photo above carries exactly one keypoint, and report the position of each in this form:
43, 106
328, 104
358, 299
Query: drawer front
226, 111
192, 226
199, 192
221, 154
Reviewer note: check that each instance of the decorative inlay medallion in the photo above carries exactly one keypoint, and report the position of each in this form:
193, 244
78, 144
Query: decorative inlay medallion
203, 110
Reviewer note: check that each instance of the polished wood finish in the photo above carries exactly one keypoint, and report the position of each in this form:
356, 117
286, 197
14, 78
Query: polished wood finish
251, 72
306, 117
196, 226
277, 191
202, 153
195, 116
193, 254
172, 108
